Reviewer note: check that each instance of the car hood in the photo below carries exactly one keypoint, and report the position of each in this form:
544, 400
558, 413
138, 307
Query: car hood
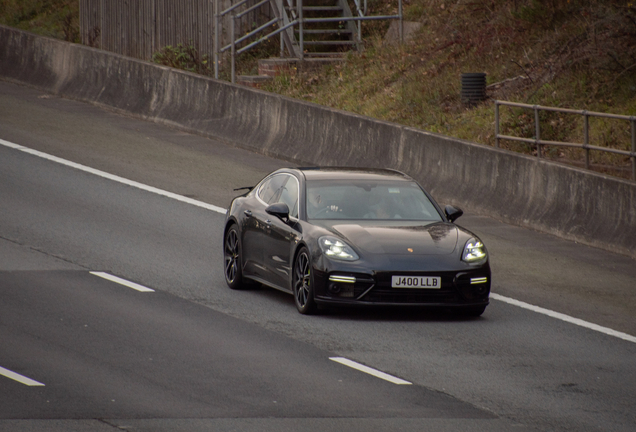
432, 239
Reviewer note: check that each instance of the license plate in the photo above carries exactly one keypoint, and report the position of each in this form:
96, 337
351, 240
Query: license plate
427, 282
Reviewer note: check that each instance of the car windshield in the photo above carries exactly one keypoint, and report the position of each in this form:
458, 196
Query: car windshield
381, 200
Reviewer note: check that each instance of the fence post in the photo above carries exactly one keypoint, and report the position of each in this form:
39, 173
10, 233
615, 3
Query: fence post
633, 120
232, 25
497, 124
281, 24
537, 130
300, 29
401, 22
586, 142
216, 39
360, 13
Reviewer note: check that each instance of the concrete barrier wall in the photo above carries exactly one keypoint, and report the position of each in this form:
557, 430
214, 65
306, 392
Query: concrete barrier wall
571, 203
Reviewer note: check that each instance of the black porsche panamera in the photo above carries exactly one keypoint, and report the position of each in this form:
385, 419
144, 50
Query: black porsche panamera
351, 236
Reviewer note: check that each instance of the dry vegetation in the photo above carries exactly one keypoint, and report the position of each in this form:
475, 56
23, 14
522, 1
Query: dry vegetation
564, 53
53, 18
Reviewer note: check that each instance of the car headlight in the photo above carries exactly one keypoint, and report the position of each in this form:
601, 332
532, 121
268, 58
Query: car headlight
337, 249
474, 251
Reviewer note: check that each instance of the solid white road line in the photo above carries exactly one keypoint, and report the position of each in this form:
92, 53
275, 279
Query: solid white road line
122, 281
19, 378
370, 371
563, 317
211, 207
114, 177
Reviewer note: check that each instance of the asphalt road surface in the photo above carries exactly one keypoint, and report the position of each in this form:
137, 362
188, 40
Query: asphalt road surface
82, 353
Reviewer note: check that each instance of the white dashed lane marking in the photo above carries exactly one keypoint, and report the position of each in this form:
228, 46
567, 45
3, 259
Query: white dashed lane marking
121, 281
370, 371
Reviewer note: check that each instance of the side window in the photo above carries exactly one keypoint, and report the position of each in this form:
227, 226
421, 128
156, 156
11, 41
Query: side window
281, 188
270, 190
264, 191
289, 195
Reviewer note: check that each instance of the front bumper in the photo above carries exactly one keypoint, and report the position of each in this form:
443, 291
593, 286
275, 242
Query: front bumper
466, 288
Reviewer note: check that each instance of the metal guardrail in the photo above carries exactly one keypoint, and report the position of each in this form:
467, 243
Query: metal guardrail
585, 145
300, 20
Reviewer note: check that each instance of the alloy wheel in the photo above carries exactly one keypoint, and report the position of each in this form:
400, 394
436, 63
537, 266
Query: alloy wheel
303, 289
232, 257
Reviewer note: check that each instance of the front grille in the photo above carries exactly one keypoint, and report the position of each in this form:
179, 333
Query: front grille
384, 293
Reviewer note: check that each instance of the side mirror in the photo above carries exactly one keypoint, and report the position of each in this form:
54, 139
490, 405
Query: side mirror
280, 210
452, 213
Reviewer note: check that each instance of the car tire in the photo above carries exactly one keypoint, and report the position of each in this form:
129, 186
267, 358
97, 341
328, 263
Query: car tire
232, 259
303, 284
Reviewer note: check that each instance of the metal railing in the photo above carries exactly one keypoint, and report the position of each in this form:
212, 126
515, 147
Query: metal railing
362, 13
284, 23
235, 41
538, 142
218, 17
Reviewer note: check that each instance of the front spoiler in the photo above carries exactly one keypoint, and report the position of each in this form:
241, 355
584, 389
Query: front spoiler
359, 303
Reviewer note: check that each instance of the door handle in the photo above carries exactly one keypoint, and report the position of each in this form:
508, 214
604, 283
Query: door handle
248, 213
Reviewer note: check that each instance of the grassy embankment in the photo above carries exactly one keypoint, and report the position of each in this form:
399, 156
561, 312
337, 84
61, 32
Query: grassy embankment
563, 53
53, 18
578, 54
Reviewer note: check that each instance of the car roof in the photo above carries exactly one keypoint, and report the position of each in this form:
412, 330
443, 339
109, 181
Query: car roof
352, 173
